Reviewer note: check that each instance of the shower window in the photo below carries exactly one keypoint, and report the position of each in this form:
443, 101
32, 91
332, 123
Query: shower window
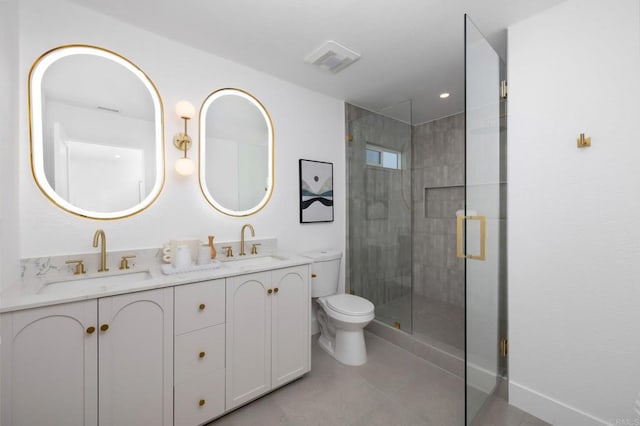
382, 157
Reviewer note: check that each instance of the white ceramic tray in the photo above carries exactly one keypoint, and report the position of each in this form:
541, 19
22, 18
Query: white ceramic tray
169, 269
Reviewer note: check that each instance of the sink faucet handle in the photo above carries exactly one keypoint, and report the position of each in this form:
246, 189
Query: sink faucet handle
79, 266
124, 262
228, 251
254, 248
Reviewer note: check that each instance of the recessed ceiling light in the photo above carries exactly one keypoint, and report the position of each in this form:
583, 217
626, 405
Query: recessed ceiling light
444, 95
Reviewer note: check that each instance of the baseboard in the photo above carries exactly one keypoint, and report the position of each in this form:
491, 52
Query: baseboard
548, 409
481, 378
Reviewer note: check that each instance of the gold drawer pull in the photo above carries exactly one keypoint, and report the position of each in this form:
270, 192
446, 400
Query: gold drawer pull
201, 354
201, 307
275, 290
104, 327
91, 329
269, 291
201, 403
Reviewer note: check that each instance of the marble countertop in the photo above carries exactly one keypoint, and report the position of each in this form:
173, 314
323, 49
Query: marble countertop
33, 293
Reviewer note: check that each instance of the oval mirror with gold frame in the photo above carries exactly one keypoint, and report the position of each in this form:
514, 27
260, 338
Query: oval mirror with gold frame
236, 152
96, 128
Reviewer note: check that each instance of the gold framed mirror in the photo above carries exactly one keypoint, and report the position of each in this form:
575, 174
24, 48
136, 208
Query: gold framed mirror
236, 161
96, 132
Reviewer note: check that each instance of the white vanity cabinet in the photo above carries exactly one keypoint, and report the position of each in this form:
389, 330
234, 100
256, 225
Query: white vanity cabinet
267, 332
66, 363
290, 325
199, 371
180, 355
136, 359
50, 366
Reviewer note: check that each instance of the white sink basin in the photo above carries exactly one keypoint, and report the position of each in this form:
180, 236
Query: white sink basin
95, 282
251, 262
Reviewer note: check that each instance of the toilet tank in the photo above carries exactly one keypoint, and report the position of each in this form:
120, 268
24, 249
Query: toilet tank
325, 271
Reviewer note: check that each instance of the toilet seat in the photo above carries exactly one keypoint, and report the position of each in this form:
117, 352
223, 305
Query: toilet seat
349, 304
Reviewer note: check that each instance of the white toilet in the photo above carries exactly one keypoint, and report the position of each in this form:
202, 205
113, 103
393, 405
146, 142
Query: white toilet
341, 317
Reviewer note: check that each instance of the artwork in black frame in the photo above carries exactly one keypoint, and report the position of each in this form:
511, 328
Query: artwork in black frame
316, 191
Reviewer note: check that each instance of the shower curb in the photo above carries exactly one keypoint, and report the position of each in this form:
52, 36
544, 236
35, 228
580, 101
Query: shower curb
445, 360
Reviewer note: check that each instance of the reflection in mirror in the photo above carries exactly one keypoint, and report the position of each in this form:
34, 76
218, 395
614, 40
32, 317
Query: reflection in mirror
96, 132
236, 152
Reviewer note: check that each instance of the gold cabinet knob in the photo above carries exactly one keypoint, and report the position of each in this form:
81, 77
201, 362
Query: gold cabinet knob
269, 291
201, 402
104, 327
201, 355
275, 290
90, 330
314, 275
201, 307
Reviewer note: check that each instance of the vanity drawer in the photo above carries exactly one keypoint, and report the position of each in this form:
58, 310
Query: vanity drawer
199, 305
199, 400
199, 352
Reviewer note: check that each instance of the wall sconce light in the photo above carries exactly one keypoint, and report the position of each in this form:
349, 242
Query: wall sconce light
184, 166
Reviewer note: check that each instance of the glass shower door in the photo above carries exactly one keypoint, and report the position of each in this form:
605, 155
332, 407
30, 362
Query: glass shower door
379, 243
479, 226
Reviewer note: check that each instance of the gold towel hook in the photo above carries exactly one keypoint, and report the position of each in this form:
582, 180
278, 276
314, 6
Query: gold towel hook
583, 141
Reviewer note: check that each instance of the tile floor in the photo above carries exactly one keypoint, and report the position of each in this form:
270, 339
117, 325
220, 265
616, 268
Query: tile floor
429, 320
394, 388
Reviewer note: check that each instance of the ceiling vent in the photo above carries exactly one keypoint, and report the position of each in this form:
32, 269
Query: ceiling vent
332, 56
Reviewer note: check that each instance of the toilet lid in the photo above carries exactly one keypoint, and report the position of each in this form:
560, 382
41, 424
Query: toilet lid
349, 304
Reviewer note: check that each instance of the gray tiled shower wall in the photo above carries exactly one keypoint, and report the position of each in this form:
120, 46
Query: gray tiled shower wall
385, 206
438, 192
379, 206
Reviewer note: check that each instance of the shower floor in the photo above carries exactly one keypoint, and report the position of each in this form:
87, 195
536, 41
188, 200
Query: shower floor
437, 323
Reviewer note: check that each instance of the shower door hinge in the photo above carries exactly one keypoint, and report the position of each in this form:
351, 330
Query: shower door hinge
352, 292
503, 89
396, 324
349, 138
504, 347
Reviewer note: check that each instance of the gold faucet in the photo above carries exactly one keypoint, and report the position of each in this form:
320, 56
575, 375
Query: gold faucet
253, 234
103, 249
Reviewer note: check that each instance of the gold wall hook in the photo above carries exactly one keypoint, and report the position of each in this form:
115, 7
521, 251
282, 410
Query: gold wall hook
583, 141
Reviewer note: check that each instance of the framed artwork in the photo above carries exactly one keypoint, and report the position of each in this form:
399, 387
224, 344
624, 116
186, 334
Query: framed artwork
316, 191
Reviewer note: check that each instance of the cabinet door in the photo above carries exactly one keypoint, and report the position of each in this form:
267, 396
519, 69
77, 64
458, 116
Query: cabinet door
50, 366
248, 331
136, 359
291, 333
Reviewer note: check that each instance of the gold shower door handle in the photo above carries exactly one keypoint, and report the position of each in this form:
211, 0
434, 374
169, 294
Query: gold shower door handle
483, 237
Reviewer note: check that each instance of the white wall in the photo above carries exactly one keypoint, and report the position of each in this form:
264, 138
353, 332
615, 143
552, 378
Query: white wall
574, 240
9, 253
9, 245
307, 125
